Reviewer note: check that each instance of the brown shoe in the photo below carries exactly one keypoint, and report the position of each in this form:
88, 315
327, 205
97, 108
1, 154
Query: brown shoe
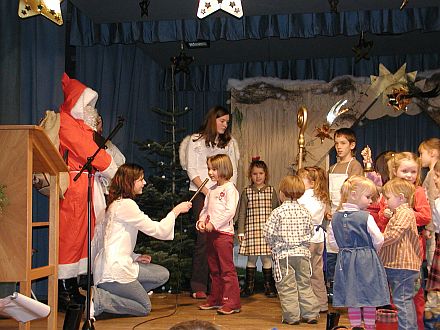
313, 320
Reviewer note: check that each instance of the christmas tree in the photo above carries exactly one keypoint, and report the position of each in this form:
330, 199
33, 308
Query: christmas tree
166, 187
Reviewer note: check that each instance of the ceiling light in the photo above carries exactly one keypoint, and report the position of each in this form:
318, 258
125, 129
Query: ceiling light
207, 7
50, 9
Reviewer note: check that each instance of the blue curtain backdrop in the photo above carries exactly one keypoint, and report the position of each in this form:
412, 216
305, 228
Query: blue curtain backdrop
129, 83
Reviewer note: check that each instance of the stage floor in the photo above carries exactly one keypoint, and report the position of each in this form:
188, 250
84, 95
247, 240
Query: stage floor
258, 312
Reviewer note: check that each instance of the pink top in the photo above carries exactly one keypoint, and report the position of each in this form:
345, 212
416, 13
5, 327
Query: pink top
220, 206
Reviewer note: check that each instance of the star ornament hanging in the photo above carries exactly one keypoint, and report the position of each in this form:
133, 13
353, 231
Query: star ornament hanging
50, 9
207, 7
362, 49
324, 132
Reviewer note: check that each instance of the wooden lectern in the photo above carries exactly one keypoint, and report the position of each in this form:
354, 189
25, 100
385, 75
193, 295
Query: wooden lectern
25, 149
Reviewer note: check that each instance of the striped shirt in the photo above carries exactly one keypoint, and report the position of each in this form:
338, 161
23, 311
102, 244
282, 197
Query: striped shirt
401, 248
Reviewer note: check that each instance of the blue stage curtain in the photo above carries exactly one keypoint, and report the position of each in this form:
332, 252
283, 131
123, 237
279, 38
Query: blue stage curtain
32, 63
393, 21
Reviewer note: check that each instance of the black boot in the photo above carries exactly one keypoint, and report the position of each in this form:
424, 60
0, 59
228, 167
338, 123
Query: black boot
68, 293
269, 283
72, 320
249, 284
332, 320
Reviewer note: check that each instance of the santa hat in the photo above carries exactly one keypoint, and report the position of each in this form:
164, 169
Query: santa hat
76, 97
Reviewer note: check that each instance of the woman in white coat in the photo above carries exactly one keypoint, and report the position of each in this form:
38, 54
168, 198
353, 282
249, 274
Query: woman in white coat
213, 138
123, 278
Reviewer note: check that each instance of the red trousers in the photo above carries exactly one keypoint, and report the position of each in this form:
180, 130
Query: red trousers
225, 290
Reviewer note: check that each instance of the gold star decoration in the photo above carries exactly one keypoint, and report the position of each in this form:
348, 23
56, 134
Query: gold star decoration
49, 9
207, 7
386, 82
324, 132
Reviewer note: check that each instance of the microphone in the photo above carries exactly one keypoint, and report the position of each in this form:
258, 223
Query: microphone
200, 189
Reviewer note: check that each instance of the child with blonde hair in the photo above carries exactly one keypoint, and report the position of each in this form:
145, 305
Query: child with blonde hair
316, 200
288, 232
360, 279
217, 221
400, 253
407, 166
256, 203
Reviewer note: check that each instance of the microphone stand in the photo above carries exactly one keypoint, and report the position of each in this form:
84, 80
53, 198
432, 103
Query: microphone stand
88, 324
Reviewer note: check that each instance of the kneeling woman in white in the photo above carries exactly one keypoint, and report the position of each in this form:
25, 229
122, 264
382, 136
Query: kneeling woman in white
123, 278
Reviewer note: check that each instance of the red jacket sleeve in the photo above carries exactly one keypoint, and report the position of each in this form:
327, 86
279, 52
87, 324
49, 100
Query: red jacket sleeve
421, 208
381, 220
77, 138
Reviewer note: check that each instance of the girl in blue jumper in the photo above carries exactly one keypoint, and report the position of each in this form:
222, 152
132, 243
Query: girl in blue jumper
360, 278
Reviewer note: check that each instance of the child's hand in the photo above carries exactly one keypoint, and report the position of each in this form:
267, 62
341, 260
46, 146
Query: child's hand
240, 238
428, 234
328, 216
209, 227
200, 226
387, 213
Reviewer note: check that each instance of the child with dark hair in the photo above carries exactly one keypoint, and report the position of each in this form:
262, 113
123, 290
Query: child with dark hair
345, 167
256, 203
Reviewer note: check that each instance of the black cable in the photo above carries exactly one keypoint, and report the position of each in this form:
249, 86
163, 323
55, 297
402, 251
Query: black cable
178, 284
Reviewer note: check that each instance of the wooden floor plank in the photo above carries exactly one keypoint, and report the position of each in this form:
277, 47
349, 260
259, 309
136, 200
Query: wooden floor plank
258, 312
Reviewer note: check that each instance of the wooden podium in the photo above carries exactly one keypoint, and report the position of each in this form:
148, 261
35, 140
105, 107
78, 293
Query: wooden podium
26, 149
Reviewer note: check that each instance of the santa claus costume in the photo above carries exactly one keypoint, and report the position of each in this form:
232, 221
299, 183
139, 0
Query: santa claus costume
78, 119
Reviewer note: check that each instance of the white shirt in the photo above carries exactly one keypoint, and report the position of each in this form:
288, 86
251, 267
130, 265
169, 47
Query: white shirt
220, 206
372, 228
436, 215
115, 239
317, 210
198, 152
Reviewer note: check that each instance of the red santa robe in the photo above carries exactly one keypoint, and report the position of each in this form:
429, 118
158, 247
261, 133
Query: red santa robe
76, 136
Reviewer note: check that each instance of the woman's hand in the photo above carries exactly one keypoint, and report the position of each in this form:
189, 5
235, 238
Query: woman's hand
182, 208
144, 259
240, 238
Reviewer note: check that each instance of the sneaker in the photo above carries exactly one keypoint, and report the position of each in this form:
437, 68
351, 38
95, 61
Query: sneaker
313, 320
291, 322
208, 306
227, 310
199, 295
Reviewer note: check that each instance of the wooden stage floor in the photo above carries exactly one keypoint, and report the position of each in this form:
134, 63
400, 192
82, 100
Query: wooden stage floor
258, 312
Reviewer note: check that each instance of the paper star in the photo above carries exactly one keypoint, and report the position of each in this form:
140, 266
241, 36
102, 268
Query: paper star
144, 7
324, 132
52, 11
386, 81
207, 7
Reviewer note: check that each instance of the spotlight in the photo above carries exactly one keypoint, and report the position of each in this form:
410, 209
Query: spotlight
50, 9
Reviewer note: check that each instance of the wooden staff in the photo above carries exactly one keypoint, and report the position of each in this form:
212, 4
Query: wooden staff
302, 123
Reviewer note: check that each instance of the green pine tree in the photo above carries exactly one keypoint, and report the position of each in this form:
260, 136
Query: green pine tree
167, 186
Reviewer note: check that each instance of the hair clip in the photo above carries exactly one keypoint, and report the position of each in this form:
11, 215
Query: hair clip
255, 158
